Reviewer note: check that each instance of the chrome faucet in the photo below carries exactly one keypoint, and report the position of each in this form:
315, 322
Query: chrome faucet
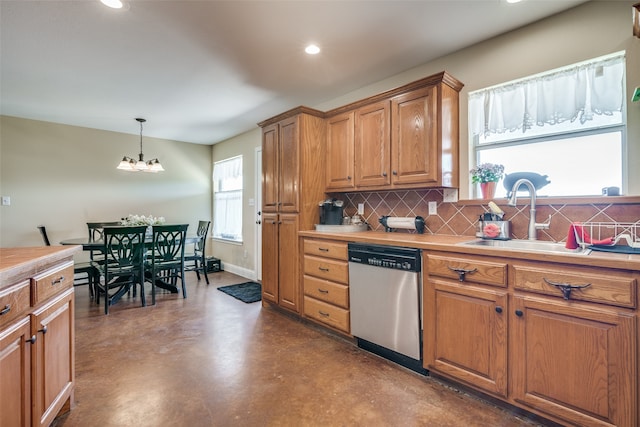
533, 226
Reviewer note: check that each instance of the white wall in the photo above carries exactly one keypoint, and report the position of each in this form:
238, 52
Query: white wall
64, 176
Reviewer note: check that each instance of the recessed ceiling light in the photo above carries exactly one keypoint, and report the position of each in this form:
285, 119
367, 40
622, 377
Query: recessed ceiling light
115, 4
514, 1
312, 49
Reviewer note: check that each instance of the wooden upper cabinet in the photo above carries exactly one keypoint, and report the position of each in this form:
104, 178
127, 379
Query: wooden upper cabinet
270, 174
340, 149
372, 145
289, 165
414, 140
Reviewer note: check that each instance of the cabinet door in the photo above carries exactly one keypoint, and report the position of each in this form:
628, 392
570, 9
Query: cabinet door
574, 361
288, 256
270, 257
414, 138
372, 148
288, 180
340, 148
15, 365
466, 334
270, 168
54, 364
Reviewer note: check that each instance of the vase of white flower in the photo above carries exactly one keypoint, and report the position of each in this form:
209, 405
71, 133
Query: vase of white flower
149, 221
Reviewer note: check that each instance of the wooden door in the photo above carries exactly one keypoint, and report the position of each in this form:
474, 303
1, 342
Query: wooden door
288, 258
340, 149
288, 154
15, 365
414, 138
467, 335
270, 257
270, 168
53, 356
574, 361
372, 145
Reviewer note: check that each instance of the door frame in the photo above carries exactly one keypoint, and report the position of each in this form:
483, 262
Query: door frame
258, 212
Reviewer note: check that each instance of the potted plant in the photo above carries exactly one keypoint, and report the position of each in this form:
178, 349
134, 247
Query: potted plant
487, 175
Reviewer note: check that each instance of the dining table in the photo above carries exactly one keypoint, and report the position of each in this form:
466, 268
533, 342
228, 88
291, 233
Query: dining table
89, 244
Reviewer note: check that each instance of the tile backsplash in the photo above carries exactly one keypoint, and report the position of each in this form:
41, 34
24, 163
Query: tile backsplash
461, 219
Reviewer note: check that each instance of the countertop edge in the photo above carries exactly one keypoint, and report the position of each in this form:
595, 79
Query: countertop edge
17, 264
450, 243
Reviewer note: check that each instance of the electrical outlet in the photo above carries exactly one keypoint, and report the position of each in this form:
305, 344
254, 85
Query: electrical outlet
450, 195
6, 201
360, 208
433, 208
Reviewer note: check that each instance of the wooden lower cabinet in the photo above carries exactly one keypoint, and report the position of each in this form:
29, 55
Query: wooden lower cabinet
573, 361
469, 328
326, 283
280, 281
53, 358
509, 328
15, 365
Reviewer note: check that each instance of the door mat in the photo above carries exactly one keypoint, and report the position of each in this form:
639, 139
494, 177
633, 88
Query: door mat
246, 292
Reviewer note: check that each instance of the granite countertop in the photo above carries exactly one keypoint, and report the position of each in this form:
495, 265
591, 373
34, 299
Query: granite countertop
20, 263
448, 243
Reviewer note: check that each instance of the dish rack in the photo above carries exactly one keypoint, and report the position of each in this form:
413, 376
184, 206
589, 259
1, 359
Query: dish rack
616, 234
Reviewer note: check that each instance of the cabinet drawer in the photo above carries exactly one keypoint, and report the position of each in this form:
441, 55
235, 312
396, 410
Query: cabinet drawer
614, 288
326, 291
329, 269
323, 248
479, 271
14, 301
52, 281
331, 315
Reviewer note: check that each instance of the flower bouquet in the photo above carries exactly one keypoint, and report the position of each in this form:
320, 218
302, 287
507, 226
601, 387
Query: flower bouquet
133, 220
487, 175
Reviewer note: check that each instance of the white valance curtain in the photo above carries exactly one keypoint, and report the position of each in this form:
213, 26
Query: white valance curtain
574, 92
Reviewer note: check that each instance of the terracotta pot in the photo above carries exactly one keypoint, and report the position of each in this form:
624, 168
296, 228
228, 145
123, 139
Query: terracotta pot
488, 190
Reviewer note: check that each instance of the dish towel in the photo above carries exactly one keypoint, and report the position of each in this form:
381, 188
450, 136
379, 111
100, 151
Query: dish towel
577, 230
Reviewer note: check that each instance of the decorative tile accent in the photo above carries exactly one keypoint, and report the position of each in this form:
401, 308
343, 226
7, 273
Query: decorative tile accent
461, 220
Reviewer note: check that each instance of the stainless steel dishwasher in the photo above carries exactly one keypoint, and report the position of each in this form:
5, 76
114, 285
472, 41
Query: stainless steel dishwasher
385, 297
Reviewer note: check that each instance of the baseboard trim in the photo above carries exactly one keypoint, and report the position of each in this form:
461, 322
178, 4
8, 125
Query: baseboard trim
240, 271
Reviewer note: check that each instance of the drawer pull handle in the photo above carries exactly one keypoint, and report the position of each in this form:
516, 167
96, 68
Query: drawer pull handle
33, 339
323, 314
566, 288
462, 272
519, 313
58, 280
323, 291
498, 309
6, 309
323, 249
43, 330
323, 269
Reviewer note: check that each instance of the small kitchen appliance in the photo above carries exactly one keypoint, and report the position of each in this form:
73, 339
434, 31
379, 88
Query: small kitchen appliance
390, 223
331, 211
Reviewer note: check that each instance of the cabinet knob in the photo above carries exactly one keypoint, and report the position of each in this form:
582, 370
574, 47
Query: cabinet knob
519, 313
395, 172
348, 178
6, 309
384, 174
498, 309
44, 329
32, 340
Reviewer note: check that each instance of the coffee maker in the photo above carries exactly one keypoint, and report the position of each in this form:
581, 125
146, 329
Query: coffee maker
331, 211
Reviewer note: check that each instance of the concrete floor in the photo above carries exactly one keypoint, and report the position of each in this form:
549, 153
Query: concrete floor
211, 360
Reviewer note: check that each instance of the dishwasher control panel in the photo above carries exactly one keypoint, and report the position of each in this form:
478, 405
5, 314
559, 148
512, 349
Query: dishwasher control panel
397, 258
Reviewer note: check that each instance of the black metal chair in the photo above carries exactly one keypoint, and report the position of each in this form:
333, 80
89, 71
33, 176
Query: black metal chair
84, 273
96, 233
196, 261
165, 260
123, 265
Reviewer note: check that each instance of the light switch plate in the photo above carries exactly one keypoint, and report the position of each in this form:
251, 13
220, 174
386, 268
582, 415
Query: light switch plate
6, 201
433, 208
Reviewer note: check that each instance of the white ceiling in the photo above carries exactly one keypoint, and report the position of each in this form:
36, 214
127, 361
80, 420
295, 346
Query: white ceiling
204, 71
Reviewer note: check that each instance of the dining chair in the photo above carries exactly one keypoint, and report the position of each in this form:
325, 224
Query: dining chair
96, 233
123, 265
84, 273
196, 261
165, 260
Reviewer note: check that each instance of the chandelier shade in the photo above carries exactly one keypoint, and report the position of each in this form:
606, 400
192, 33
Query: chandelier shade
131, 165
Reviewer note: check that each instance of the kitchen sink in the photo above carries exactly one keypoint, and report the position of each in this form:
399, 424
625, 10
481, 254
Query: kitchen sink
528, 245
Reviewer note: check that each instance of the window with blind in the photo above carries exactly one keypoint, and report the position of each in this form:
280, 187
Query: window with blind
227, 199
567, 124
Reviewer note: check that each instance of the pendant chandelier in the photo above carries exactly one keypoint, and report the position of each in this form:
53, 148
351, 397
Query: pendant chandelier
131, 165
